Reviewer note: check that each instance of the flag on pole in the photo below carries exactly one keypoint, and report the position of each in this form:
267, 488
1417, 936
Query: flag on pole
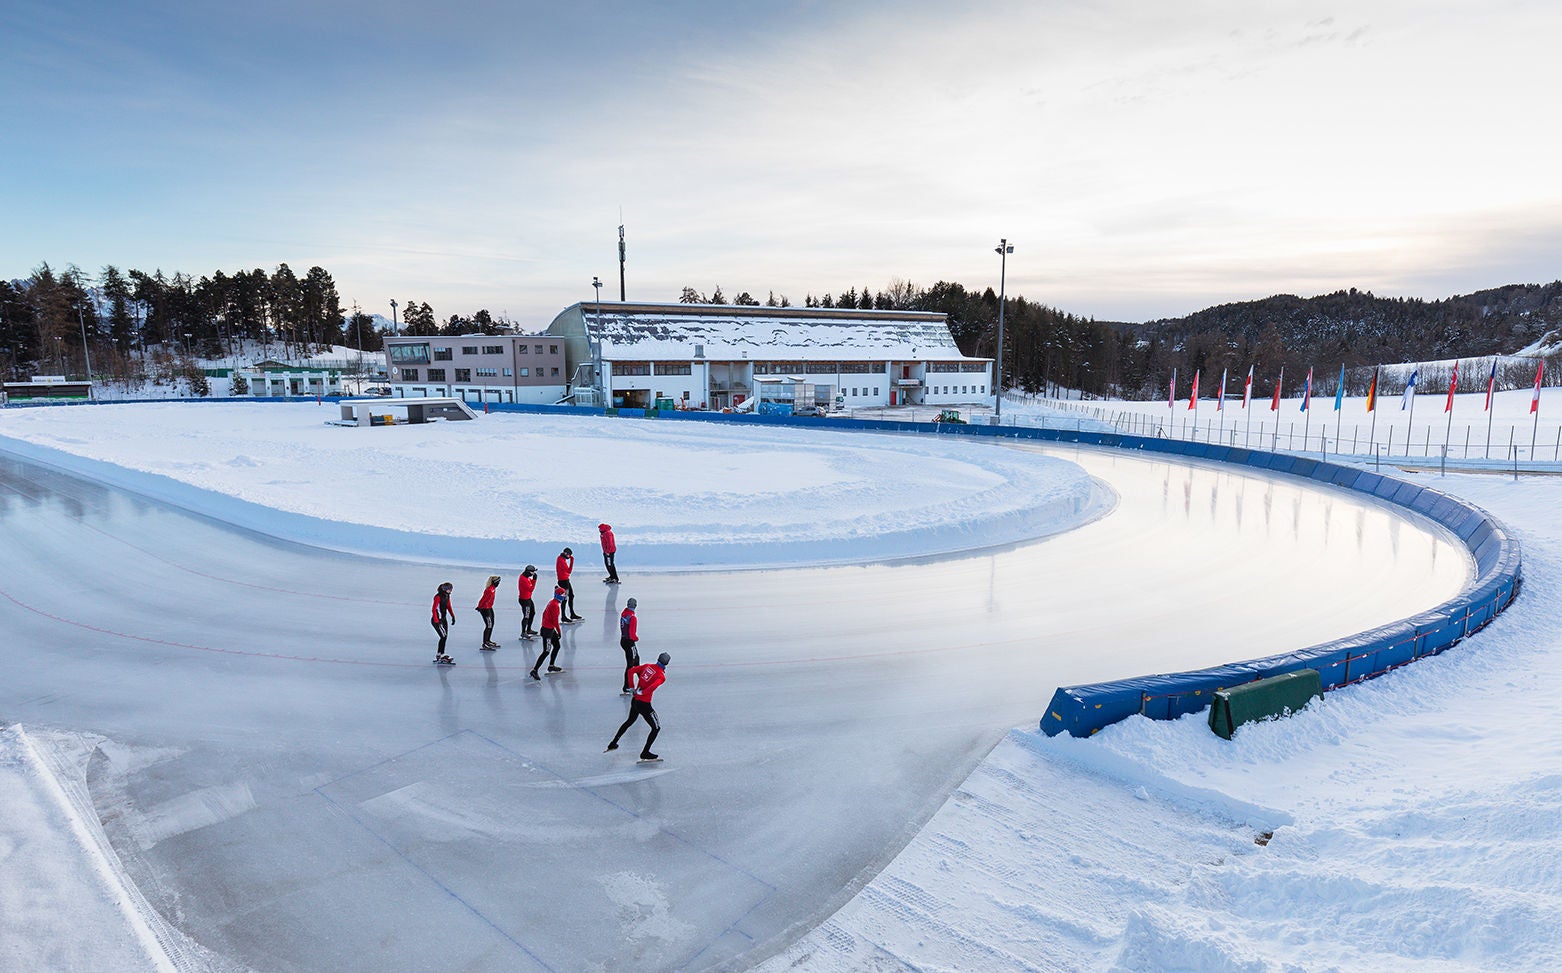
1534, 404
1491, 384
1410, 391
1339, 392
1275, 405
1247, 388
1220, 400
1193, 396
1372, 391
1171, 391
1453, 383
1307, 391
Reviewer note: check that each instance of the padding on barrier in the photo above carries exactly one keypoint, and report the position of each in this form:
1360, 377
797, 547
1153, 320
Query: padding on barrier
1305, 467
1263, 699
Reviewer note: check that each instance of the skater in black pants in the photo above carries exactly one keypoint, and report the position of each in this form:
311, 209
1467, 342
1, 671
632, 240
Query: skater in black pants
609, 553
628, 638
485, 608
443, 617
550, 635
525, 585
563, 567
647, 678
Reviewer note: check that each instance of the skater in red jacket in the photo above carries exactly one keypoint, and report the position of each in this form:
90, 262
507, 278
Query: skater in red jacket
647, 678
563, 568
443, 617
550, 635
609, 551
628, 640
485, 608
524, 586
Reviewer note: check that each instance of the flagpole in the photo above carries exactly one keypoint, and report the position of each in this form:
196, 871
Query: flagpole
1411, 422
1339, 411
1534, 407
1307, 395
1491, 413
1372, 407
1274, 444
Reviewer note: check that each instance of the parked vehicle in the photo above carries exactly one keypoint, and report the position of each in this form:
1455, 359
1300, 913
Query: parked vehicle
950, 416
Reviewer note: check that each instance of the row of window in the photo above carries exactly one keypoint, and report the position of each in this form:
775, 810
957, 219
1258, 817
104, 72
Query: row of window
465, 374
957, 366
819, 368
957, 389
419, 354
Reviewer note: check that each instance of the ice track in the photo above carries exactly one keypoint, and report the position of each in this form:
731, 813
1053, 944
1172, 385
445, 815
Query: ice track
294, 787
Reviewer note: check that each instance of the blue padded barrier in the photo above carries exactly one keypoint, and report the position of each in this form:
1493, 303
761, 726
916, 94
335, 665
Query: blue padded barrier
1498, 580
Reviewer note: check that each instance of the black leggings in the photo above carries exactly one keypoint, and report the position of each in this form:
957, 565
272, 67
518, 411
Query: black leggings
569, 590
631, 659
549, 636
528, 612
640, 709
488, 624
443, 630
607, 559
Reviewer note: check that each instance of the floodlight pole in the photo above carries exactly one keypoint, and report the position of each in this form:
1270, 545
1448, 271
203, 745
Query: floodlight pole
1003, 250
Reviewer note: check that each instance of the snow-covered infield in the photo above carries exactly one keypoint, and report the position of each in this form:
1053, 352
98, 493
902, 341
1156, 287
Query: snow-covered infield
510, 487
1411, 822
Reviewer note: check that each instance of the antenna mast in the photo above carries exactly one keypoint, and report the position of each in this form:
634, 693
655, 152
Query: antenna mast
621, 296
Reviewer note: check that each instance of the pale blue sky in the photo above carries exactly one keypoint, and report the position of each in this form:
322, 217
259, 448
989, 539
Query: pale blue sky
1146, 159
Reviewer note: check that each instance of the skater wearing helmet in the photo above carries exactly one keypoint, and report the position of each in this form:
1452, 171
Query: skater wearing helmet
550, 634
525, 585
647, 678
485, 608
563, 568
443, 617
609, 550
628, 637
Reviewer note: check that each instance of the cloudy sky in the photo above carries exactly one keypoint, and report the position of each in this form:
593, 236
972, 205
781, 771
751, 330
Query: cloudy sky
1145, 158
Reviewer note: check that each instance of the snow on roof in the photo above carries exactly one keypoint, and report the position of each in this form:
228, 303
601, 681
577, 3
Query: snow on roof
671, 331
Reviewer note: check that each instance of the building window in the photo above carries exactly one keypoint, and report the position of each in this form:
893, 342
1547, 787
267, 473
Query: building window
441, 354
632, 368
488, 373
526, 373
436, 374
463, 374
508, 372
673, 368
493, 349
521, 349
468, 349
409, 354
554, 372
552, 349
539, 349
409, 374
875, 390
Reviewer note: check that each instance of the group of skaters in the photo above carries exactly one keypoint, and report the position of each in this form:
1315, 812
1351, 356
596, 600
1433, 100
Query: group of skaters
640, 681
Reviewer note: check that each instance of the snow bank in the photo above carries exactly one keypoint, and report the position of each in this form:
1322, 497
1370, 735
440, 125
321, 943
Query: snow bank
508, 488
65, 903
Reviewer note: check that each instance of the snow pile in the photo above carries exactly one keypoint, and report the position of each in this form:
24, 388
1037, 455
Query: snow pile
1416, 824
510, 487
64, 902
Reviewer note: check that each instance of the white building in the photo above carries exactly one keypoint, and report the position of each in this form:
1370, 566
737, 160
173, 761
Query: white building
699, 356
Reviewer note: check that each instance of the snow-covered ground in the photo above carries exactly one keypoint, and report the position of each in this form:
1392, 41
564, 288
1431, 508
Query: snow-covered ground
679, 494
1409, 823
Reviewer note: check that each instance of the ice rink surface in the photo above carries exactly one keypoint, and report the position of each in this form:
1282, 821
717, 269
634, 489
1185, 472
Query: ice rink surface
293, 786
